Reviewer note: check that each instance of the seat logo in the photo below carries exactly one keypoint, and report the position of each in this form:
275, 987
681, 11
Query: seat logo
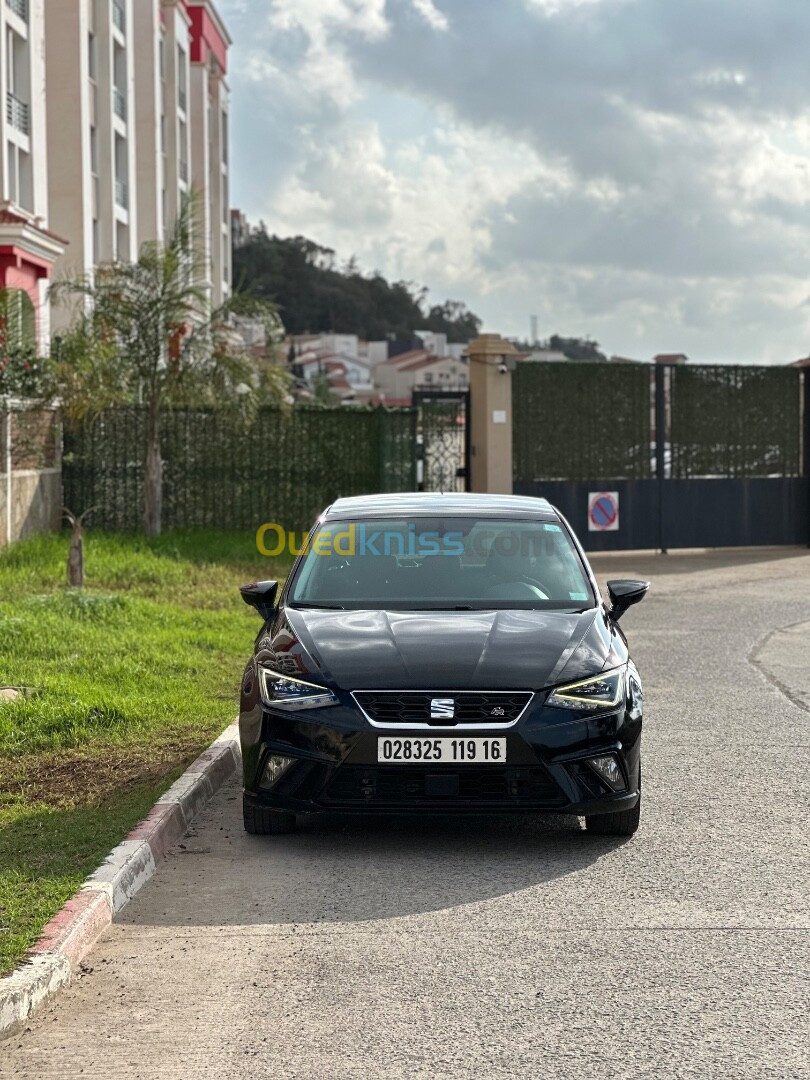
442, 708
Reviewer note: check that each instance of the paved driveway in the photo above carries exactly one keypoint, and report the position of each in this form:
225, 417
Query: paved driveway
512, 947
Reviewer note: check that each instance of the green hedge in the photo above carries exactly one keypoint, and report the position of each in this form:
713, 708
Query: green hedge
581, 421
736, 421
220, 472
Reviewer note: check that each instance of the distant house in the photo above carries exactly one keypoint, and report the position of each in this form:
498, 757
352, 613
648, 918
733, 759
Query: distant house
370, 352
398, 377
541, 356
339, 368
438, 345
802, 363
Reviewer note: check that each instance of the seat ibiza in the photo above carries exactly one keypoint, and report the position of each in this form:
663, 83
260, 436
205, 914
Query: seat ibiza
435, 653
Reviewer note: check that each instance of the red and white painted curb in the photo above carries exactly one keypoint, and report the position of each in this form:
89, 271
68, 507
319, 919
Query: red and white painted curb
71, 934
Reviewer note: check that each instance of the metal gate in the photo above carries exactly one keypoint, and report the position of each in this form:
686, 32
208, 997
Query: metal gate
669, 456
442, 439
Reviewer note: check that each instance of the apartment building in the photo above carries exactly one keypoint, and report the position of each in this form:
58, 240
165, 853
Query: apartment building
210, 139
28, 248
137, 118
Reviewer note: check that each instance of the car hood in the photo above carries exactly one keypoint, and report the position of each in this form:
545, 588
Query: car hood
403, 650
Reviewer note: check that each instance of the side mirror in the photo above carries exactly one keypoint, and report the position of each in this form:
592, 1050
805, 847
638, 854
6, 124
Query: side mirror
623, 594
262, 596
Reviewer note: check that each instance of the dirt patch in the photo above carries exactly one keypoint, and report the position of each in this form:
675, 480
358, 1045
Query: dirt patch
80, 777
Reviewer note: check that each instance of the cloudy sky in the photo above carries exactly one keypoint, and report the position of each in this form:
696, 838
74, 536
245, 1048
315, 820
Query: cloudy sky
634, 170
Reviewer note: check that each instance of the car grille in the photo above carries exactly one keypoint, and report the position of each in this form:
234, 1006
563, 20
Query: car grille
403, 785
414, 708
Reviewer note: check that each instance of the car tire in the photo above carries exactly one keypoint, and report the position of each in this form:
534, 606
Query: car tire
622, 823
259, 821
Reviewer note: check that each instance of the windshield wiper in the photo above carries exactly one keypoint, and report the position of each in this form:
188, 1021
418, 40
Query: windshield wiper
454, 607
320, 607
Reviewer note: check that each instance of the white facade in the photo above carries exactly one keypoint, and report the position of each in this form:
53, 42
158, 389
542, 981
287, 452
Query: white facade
137, 119
436, 344
27, 247
92, 129
400, 375
24, 166
376, 352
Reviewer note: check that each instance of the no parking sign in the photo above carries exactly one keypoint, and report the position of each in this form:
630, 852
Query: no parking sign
603, 511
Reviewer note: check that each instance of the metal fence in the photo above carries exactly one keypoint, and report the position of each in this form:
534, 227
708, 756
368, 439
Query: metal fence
735, 422
690, 456
219, 472
581, 421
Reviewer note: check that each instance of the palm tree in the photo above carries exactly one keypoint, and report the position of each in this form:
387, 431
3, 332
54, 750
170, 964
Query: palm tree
147, 332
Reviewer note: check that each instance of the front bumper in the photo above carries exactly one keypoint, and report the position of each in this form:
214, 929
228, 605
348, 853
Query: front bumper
335, 764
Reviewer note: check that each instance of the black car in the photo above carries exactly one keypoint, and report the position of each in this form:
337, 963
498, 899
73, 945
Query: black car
438, 653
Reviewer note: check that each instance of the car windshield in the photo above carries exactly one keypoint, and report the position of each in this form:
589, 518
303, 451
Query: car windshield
442, 564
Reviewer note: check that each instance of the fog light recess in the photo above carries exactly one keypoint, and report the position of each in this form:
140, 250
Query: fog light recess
275, 768
609, 770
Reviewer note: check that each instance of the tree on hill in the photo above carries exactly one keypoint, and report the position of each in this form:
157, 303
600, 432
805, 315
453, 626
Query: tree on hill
576, 348
314, 296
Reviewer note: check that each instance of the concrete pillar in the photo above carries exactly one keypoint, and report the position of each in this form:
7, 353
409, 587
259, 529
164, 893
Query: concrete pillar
491, 366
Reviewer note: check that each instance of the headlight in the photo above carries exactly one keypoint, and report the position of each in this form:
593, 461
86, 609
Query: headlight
601, 692
285, 692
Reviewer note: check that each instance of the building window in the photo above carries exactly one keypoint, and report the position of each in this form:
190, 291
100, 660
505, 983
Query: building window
182, 78
120, 82
17, 112
121, 171
11, 173
182, 152
119, 16
121, 243
20, 8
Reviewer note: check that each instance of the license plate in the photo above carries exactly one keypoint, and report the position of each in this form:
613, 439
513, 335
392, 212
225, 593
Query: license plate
446, 751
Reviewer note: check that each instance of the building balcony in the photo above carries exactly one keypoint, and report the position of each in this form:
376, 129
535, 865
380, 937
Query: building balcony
122, 194
119, 16
119, 104
19, 7
18, 113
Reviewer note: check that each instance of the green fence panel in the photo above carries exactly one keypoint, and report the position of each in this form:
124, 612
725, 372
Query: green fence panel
284, 466
582, 421
735, 422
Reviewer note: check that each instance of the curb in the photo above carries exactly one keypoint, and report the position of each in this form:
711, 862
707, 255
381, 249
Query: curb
73, 931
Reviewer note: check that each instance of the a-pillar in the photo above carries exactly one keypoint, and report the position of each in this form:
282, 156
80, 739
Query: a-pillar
491, 363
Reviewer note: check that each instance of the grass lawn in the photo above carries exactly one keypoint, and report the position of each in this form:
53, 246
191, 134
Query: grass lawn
125, 683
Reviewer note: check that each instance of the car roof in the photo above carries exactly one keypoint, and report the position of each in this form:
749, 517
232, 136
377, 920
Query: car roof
431, 503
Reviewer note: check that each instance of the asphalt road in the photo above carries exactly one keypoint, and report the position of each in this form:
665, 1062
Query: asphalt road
509, 947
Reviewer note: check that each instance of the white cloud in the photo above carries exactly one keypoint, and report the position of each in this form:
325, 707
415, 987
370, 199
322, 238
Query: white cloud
317, 17
431, 14
417, 210
625, 168
558, 7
